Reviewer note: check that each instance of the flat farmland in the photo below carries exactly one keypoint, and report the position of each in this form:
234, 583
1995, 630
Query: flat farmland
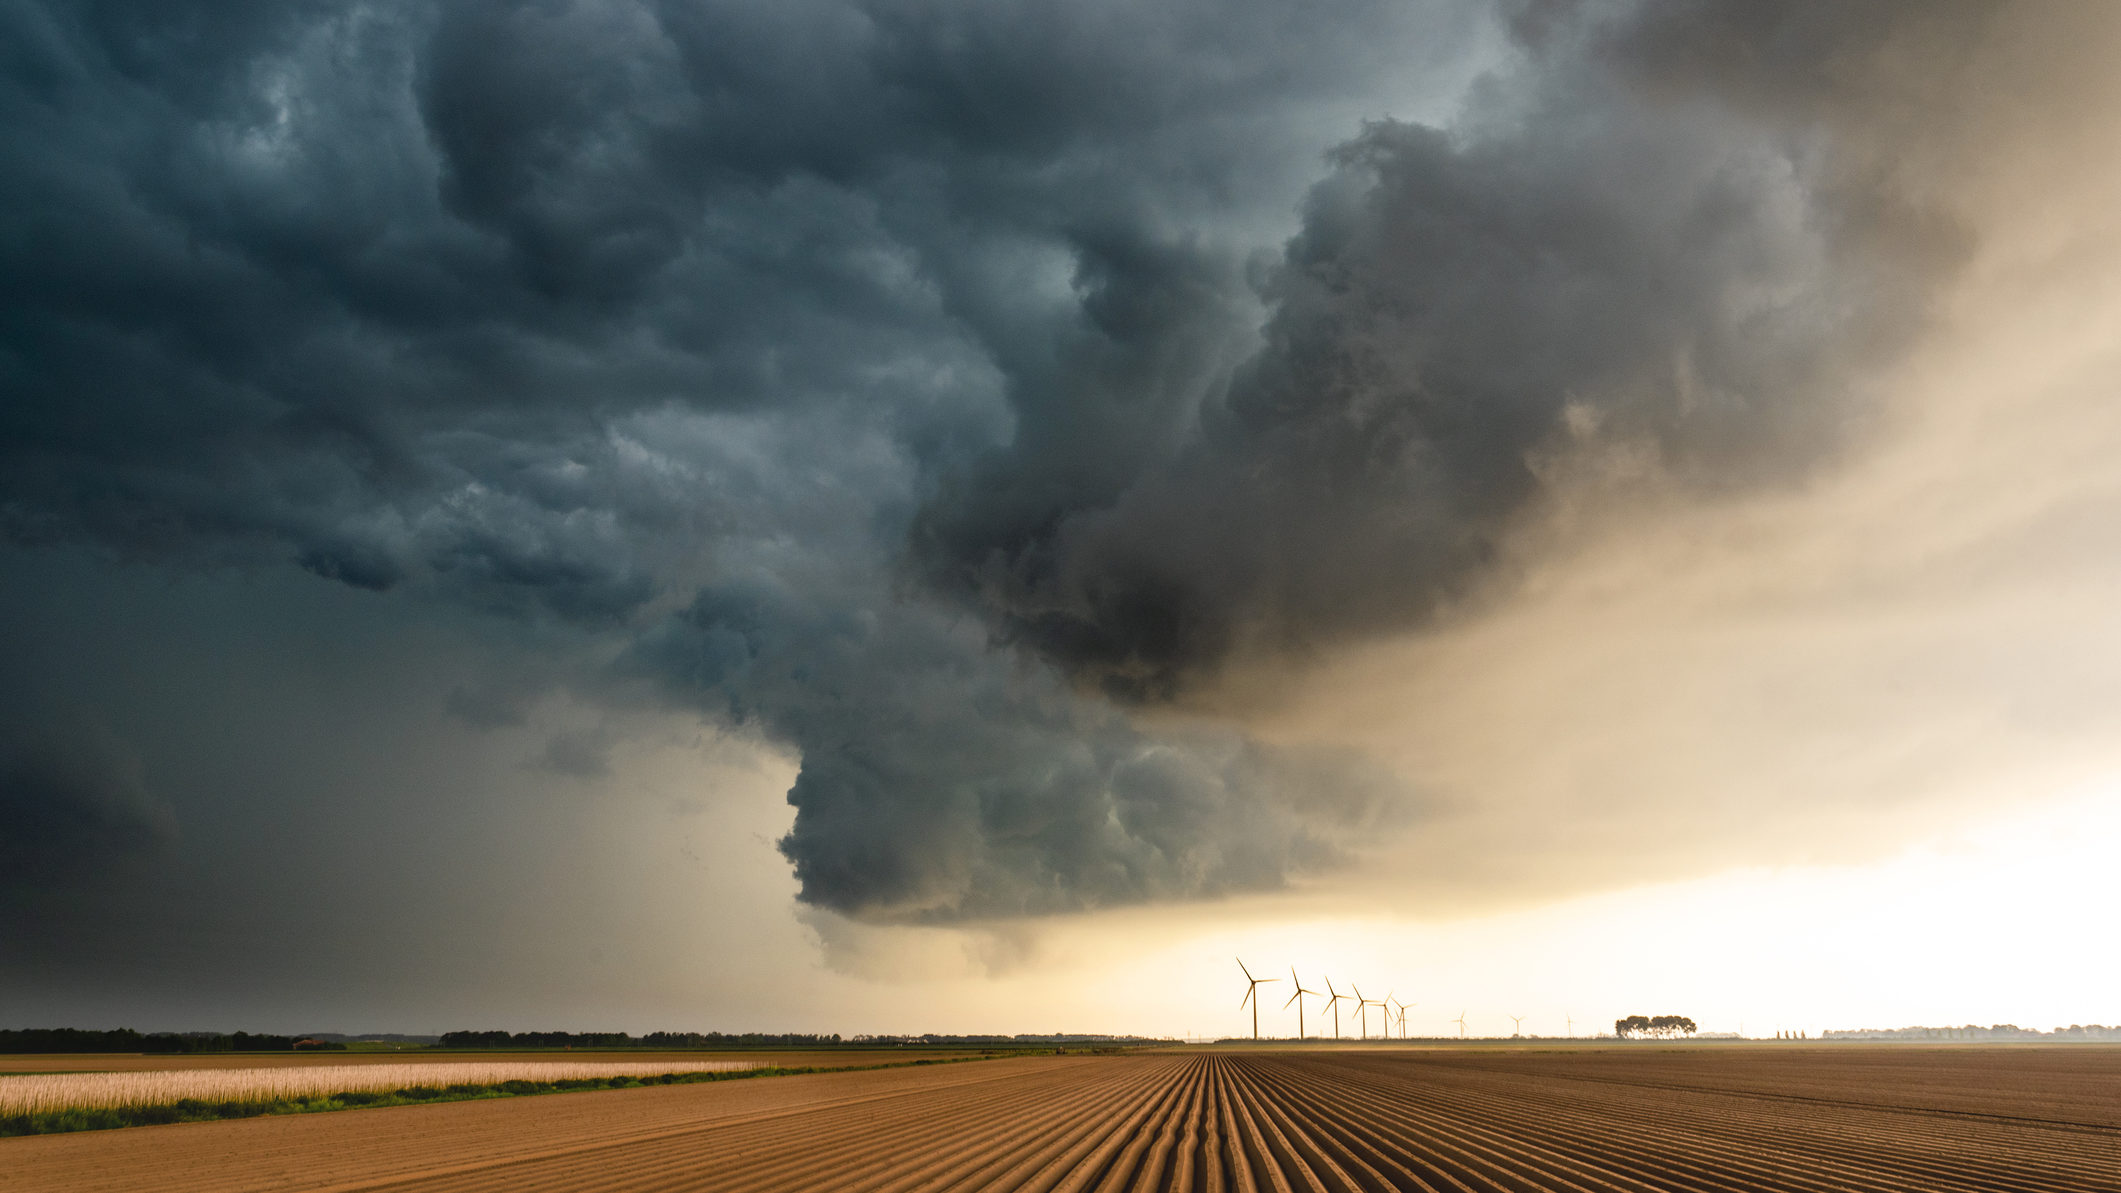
1651, 1118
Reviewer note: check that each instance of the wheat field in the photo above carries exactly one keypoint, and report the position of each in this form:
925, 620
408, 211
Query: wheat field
41, 1093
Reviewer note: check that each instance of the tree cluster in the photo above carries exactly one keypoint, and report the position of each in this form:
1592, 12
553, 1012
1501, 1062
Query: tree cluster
125, 1039
1661, 1027
620, 1039
2075, 1032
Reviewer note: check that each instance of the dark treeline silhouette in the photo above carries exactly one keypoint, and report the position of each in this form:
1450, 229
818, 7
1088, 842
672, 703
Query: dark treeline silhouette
620, 1039
752, 1039
1660, 1026
1019, 1040
71, 1039
241, 1041
125, 1039
2075, 1032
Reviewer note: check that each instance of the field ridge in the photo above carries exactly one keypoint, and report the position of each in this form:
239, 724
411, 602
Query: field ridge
1174, 1122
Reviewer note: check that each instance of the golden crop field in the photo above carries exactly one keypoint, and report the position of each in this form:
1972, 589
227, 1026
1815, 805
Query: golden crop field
1846, 1119
44, 1092
133, 1062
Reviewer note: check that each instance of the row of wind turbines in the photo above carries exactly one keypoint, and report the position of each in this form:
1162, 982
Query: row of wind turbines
1393, 1010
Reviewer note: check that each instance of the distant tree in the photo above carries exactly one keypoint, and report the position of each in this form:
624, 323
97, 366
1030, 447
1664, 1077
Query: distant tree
619, 1039
69, 1039
1663, 1027
207, 1041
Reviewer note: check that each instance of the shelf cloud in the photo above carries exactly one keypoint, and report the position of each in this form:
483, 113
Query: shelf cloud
958, 396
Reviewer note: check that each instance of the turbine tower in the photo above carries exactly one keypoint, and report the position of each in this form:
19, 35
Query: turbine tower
1461, 1022
1298, 999
1335, 1002
1362, 1011
1572, 1027
1250, 990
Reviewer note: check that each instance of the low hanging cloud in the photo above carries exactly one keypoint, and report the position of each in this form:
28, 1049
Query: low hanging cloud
1624, 252
941, 390
74, 807
939, 781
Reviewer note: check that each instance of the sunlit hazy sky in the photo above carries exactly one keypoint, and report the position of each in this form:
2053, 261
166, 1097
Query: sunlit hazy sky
966, 517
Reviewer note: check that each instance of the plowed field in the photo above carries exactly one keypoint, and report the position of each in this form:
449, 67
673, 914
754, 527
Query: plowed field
1845, 1118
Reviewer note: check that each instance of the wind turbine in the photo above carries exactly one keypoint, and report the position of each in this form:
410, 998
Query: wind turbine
1461, 1022
1256, 983
1385, 1008
1402, 1016
1572, 1027
1336, 1000
1519, 1021
1362, 1011
1298, 999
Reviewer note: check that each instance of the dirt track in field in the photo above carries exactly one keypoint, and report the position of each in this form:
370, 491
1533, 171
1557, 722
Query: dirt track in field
1585, 1120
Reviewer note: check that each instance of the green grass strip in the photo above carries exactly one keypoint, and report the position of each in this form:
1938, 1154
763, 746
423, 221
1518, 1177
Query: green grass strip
192, 1110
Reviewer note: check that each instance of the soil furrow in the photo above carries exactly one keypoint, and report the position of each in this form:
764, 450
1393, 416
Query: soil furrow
1854, 1145
1661, 1175
1634, 1136
1159, 1167
1378, 1120
1630, 1141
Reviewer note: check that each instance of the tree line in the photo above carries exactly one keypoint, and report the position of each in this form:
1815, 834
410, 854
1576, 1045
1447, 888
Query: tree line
125, 1039
1662, 1027
620, 1039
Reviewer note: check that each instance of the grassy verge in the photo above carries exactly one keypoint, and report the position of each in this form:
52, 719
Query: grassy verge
192, 1110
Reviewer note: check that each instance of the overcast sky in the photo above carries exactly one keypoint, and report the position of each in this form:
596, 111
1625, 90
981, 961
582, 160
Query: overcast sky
851, 516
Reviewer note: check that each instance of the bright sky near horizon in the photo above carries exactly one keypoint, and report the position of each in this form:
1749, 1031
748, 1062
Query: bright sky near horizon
967, 517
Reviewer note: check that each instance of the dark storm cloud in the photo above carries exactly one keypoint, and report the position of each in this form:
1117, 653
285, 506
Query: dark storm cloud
73, 807
940, 782
1629, 256
668, 326
358, 286
368, 302
440, 300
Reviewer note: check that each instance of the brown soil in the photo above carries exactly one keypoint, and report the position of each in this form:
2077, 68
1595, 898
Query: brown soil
1650, 1120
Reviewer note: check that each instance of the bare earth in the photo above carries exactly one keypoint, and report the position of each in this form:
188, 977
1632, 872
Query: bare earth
1651, 1119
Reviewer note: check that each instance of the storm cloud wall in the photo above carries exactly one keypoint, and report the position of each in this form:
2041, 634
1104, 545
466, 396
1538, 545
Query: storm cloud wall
951, 393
